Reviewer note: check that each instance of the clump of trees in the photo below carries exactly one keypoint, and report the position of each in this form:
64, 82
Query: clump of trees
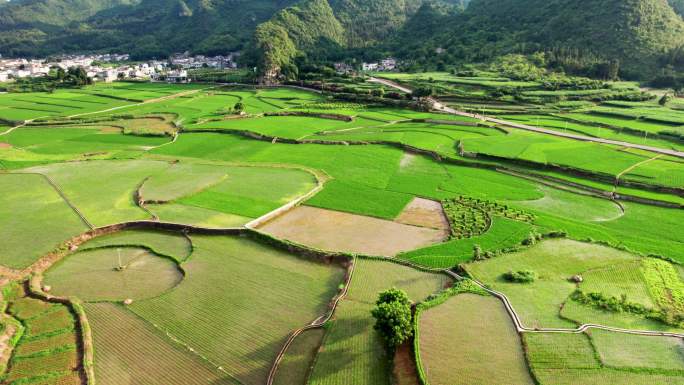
393, 317
57, 78
532, 238
521, 276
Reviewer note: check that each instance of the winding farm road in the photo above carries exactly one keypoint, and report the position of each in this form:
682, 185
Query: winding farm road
444, 108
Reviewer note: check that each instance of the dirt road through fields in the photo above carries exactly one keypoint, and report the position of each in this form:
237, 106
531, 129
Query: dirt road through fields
444, 108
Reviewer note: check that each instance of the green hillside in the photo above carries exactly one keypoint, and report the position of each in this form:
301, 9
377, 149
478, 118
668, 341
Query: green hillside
641, 36
637, 32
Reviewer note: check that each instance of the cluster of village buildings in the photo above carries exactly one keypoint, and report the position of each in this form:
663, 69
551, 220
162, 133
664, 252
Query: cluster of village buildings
111, 67
388, 64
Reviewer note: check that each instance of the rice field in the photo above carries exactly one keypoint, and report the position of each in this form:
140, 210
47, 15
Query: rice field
239, 301
634, 351
129, 350
103, 190
217, 309
352, 352
34, 219
299, 359
504, 233
173, 245
474, 334
555, 261
113, 274
603, 356
47, 349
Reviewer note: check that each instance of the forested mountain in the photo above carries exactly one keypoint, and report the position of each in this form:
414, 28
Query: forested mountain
641, 36
154, 28
19, 14
308, 26
144, 28
637, 32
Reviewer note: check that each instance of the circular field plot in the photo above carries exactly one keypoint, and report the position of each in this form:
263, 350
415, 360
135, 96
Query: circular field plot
113, 274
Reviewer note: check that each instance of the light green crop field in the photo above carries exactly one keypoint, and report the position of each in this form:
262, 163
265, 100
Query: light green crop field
169, 244
574, 206
179, 180
552, 353
79, 141
231, 285
130, 351
603, 356
474, 334
630, 131
626, 279
291, 127
252, 191
634, 351
103, 190
197, 216
352, 352
555, 261
34, 219
113, 274
449, 78
544, 149
29, 106
221, 195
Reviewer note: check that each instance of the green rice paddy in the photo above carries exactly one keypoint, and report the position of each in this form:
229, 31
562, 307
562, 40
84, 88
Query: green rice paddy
217, 309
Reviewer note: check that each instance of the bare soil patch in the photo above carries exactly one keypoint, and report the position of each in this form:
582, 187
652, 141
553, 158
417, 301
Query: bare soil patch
5, 145
110, 130
150, 125
338, 231
424, 213
405, 371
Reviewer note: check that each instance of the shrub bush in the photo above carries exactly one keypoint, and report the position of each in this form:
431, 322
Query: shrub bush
521, 276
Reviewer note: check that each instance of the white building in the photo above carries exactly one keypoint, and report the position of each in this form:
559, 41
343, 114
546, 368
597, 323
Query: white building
180, 76
389, 64
370, 66
4, 76
108, 76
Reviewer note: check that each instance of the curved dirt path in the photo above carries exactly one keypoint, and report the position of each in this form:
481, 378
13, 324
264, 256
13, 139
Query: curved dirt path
172, 96
442, 107
580, 329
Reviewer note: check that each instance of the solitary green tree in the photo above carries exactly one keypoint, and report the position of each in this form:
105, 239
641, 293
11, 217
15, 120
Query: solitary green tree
477, 253
392, 315
423, 92
239, 108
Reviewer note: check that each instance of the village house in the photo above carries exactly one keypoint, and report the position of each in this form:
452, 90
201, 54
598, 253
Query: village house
107, 76
389, 64
370, 66
343, 68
